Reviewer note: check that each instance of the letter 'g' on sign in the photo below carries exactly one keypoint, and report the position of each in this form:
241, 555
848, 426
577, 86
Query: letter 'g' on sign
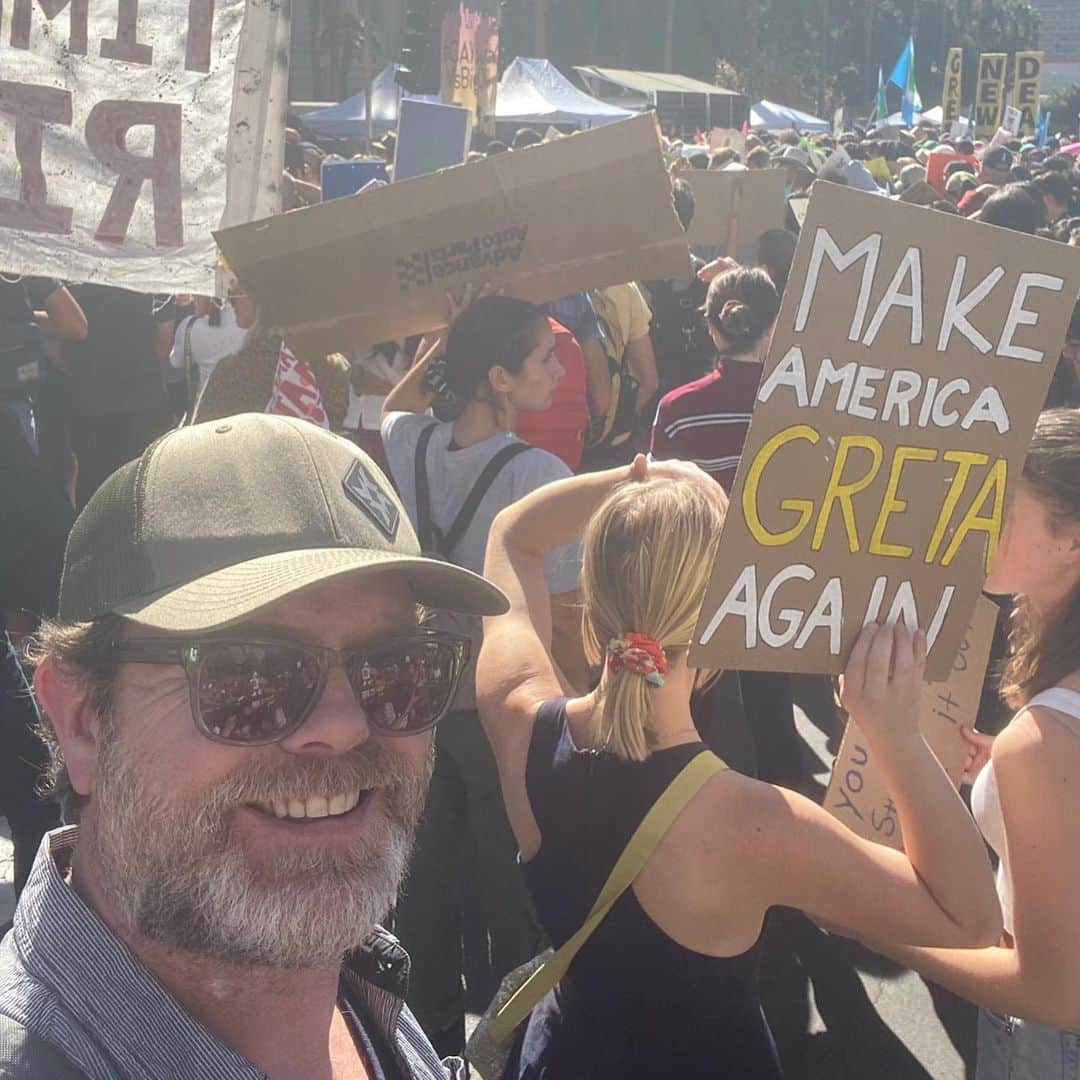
106, 130
803, 507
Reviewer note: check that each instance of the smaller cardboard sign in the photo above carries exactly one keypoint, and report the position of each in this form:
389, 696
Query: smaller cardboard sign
951, 90
470, 63
723, 138
539, 225
430, 137
339, 178
857, 794
959, 129
939, 161
1013, 118
733, 209
990, 93
1027, 83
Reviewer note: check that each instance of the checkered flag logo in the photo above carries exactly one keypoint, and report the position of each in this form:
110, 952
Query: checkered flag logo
413, 272
365, 493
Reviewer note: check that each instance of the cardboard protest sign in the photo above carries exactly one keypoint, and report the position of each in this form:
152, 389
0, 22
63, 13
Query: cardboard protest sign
539, 223
430, 137
732, 209
939, 161
1012, 120
338, 178
951, 89
724, 138
1027, 83
857, 794
910, 360
470, 63
990, 93
959, 129
127, 134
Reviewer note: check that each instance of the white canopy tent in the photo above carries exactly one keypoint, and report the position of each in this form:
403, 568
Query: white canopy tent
348, 119
536, 92
768, 116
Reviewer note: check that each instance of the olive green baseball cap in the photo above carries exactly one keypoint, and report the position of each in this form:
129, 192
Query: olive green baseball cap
218, 520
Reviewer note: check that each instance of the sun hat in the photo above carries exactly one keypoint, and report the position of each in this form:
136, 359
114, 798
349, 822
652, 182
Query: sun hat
218, 520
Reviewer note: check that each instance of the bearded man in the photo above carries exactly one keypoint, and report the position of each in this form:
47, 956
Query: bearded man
239, 696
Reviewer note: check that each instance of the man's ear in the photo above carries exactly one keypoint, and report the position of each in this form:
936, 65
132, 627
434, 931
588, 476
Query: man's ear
64, 698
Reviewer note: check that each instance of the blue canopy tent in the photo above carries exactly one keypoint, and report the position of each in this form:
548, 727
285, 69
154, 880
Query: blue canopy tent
348, 119
536, 92
769, 116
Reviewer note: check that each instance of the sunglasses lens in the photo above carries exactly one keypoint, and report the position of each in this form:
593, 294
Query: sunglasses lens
408, 686
255, 693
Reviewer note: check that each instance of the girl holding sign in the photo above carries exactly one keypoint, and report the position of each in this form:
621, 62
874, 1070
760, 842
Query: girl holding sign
665, 985
1026, 796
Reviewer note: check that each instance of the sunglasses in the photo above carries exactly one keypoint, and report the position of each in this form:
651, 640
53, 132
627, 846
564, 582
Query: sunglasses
252, 693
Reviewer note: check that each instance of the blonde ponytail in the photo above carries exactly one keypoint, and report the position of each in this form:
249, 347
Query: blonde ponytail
647, 555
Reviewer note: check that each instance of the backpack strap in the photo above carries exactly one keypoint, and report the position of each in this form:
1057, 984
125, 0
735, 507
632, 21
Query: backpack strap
428, 533
472, 501
631, 862
425, 526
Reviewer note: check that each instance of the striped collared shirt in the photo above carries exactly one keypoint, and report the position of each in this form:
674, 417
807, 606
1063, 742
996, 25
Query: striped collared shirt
68, 979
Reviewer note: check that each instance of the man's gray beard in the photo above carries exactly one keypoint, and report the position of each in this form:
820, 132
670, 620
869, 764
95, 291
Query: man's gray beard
178, 877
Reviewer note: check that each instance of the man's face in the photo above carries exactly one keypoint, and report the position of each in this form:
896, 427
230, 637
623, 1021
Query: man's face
187, 831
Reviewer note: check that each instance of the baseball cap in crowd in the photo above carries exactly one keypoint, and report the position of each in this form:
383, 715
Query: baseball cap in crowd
216, 521
998, 161
911, 174
796, 155
959, 167
959, 183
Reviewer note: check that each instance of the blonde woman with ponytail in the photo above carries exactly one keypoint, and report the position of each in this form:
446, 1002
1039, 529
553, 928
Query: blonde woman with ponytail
666, 984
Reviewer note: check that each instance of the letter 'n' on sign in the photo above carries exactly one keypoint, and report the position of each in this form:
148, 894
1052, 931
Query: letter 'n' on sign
895, 407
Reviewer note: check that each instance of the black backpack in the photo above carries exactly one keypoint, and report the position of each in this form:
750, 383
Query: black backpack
437, 544
680, 337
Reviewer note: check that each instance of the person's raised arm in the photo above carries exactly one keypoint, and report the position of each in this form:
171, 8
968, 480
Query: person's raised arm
412, 394
1037, 974
940, 889
62, 318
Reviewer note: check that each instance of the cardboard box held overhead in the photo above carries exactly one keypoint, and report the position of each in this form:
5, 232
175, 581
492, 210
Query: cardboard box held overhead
577, 213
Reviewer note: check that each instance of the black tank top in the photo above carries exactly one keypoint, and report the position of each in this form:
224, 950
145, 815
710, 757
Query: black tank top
635, 1003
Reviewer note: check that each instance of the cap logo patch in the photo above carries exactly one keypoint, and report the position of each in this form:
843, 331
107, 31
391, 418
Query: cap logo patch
364, 492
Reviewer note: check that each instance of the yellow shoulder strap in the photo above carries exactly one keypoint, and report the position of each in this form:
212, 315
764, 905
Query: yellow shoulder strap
631, 862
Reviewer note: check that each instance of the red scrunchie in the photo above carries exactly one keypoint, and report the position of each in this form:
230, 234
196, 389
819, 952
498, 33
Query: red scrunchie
639, 654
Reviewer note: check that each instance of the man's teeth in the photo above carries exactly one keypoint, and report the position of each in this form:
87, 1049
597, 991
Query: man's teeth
315, 807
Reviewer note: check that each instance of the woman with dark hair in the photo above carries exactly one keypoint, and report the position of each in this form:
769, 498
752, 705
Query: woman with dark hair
706, 421
454, 477
1026, 796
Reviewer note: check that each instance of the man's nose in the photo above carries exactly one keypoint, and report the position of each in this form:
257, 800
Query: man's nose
336, 725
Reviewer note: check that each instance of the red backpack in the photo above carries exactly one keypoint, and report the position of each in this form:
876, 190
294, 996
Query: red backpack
561, 429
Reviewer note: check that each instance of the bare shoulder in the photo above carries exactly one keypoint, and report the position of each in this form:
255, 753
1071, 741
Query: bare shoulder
734, 814
1039, 735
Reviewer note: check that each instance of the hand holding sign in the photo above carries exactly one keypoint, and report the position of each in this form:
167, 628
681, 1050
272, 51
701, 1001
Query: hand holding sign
883, 681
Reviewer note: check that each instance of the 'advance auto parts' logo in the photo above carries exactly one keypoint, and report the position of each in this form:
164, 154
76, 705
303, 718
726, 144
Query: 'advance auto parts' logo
492, 249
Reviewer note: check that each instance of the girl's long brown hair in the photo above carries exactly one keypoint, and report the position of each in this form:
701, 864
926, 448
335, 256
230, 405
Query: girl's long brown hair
1044, 649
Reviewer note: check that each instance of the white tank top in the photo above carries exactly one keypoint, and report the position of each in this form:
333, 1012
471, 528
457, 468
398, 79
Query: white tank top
986, 803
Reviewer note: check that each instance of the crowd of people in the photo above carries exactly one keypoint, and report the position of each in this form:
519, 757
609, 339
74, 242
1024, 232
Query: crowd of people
205, 518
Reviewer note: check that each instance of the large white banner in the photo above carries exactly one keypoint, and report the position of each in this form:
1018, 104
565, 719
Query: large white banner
129, 131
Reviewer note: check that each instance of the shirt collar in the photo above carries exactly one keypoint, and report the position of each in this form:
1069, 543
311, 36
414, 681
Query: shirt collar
100, 982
